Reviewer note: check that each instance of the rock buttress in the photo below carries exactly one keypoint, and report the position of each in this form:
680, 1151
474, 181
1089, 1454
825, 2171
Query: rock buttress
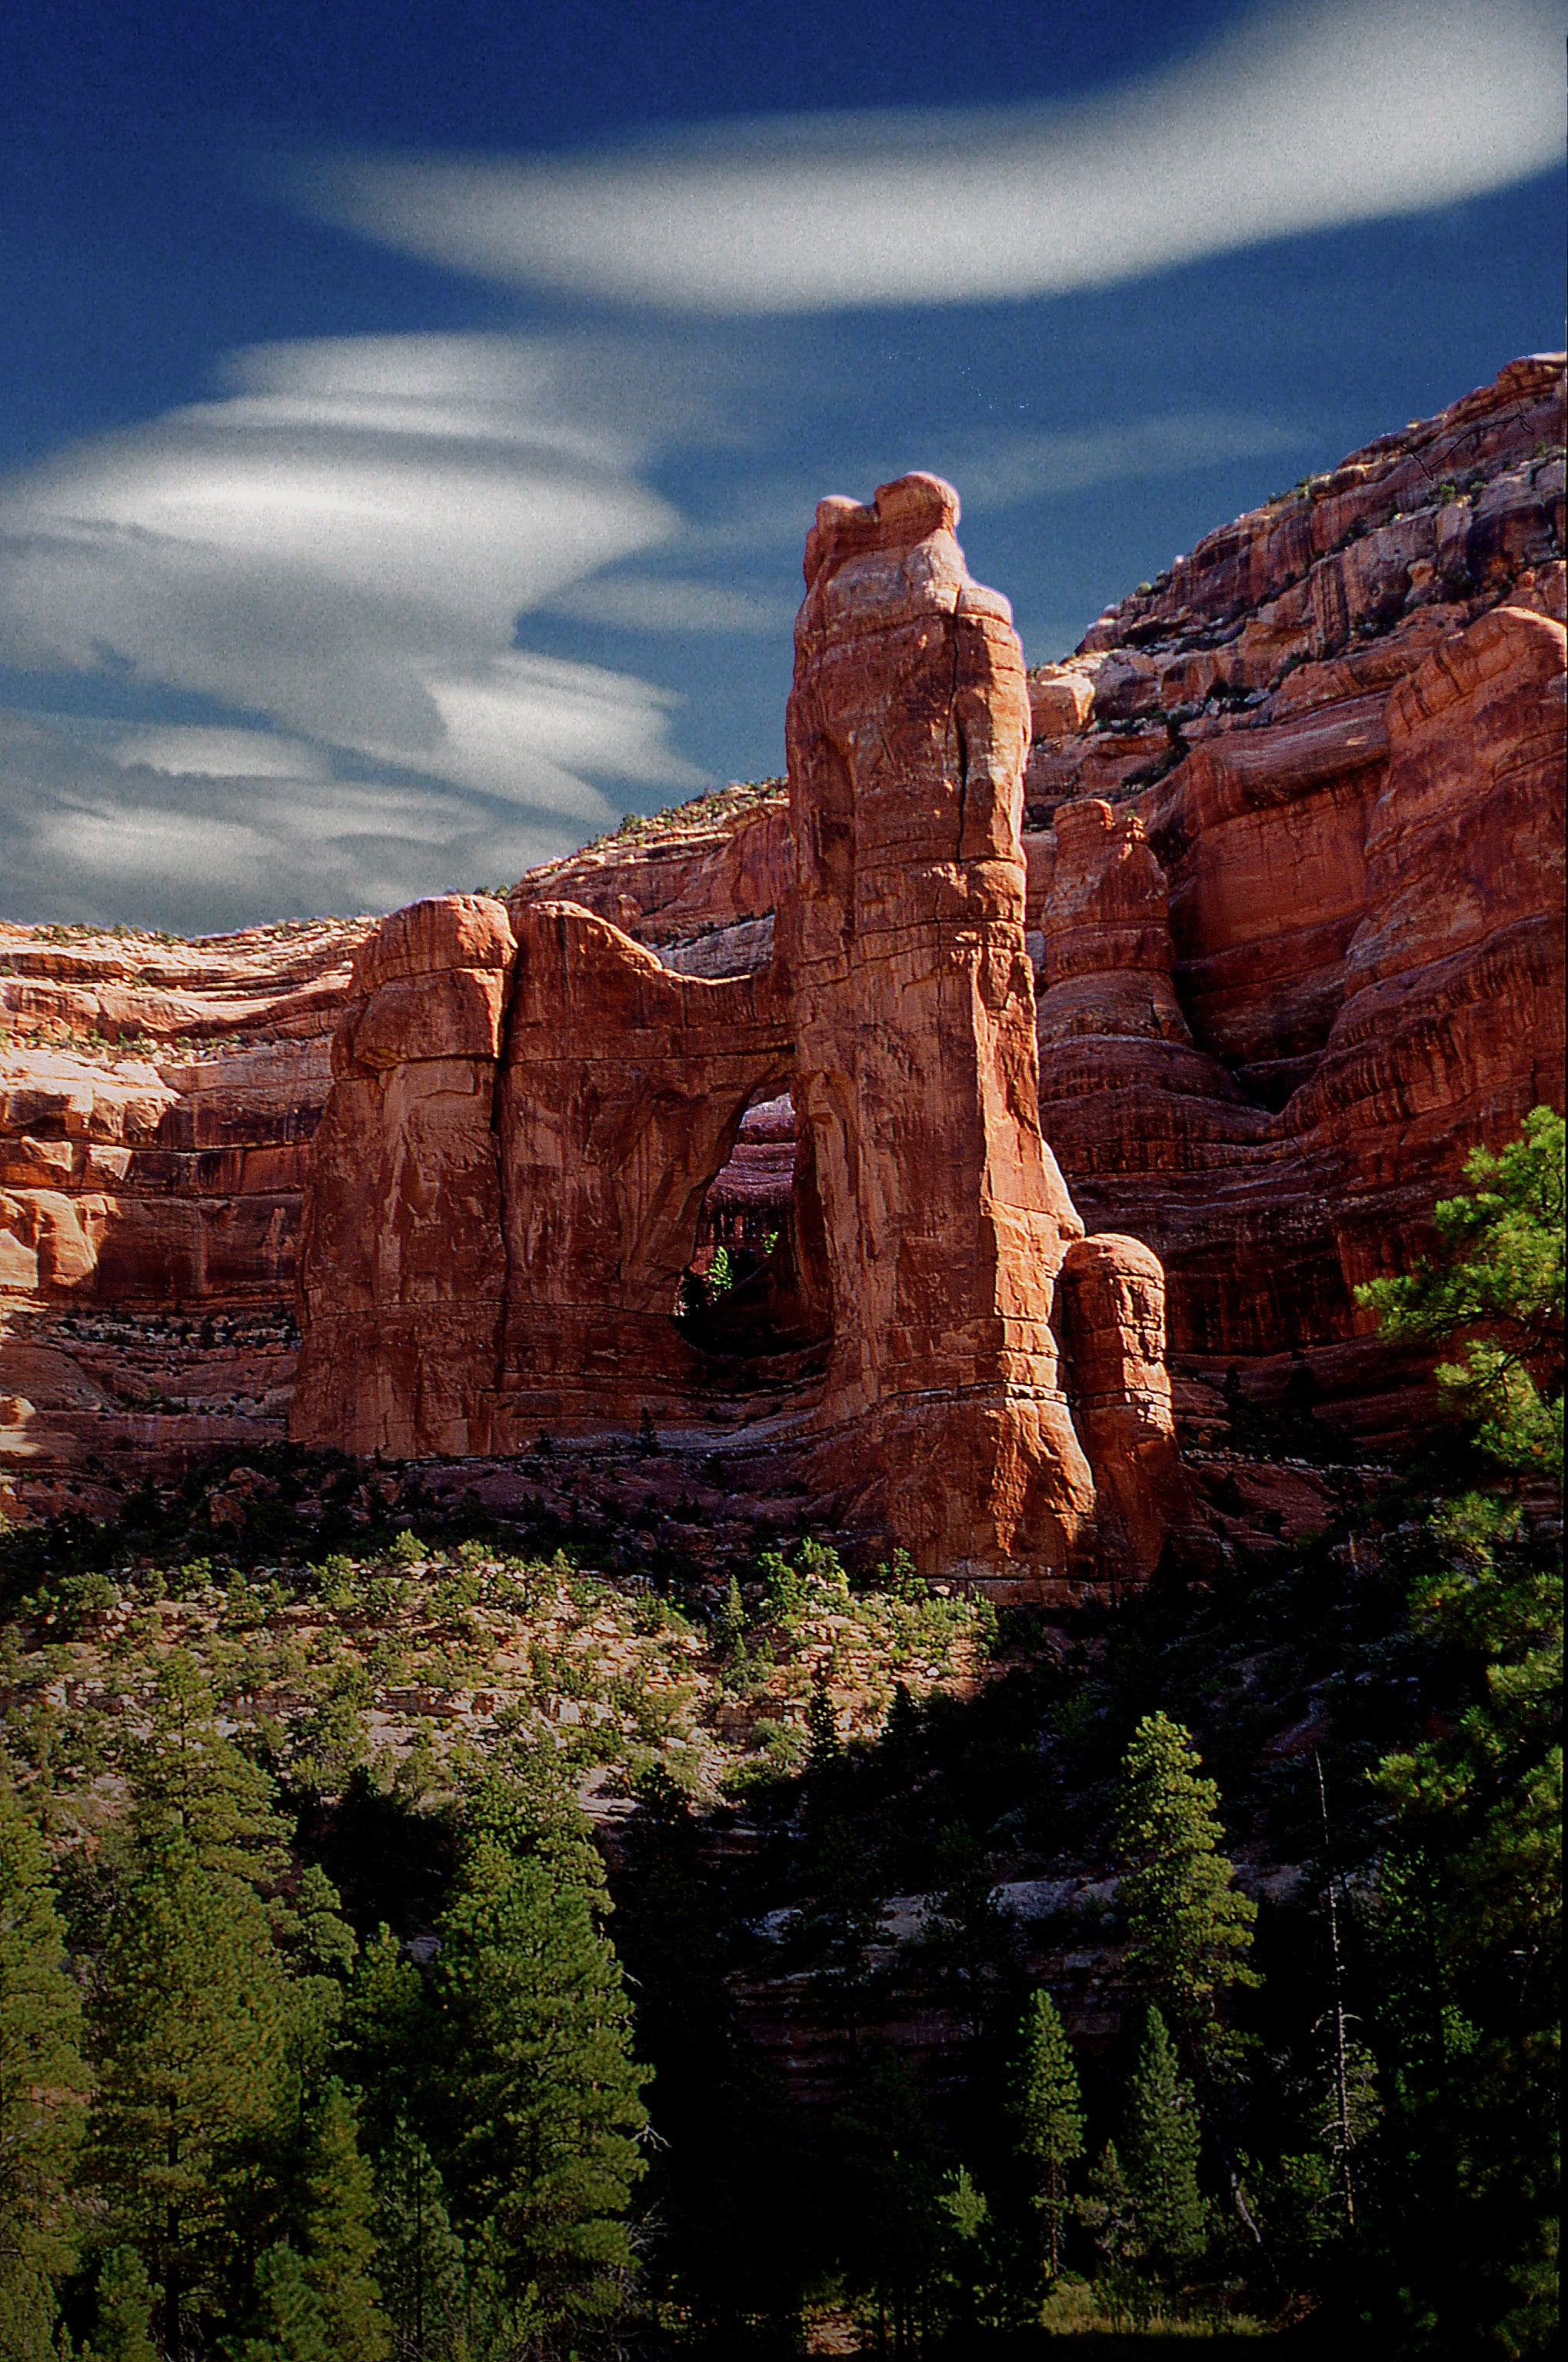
945, 1218
402, 1268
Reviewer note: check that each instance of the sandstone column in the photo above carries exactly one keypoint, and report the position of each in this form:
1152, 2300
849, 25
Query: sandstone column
945, 1216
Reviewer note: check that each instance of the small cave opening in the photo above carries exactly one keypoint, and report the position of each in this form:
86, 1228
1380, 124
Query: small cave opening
741, 1298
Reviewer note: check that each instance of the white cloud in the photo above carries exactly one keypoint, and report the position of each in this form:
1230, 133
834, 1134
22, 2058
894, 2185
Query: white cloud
638, 603
342, 548
1010, 468
93, 833
184, 750
1303, 118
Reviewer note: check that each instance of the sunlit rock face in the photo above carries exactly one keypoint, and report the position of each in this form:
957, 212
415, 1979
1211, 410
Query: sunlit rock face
1337, 730
531, 1107
1280, 941
944, 1215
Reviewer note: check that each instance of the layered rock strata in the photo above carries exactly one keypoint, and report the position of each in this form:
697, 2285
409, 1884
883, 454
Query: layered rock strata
531, 1107
1270, 1028
158, 1101
945, 1216
1338, 726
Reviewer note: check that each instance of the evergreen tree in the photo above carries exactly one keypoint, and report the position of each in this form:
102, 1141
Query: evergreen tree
1108, 2213
1048, 2106
289, 2323
1189, 1928
1160, 2147
729, 1628
336, 2208
188, 2034
123, 2330
387, 2035
824, 1747
419, 2257
1499, 1271
191, 1781
42, 2081
1463, 2250
541, 2101
842, 1924
968, 1934
890, 2199
317, 1949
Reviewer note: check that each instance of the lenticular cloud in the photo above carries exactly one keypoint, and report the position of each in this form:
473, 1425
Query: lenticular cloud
337, 556
344, 547
1305, 118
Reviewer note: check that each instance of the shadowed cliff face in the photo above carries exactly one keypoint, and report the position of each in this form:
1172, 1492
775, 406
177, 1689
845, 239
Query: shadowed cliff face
1292, 837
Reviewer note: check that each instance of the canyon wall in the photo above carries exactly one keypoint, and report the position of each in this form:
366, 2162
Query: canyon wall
157, 1102
1271, 1036
1292, 837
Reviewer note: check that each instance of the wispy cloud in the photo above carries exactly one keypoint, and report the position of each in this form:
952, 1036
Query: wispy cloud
343, 547
1303, 118
634, 602
998, 471
101, 823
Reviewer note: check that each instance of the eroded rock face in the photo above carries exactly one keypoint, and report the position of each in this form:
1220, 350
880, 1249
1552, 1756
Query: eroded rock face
402, 1265
1339, 723
157, 1104
1290, 863
621, 1095
946, 1219
530, 1108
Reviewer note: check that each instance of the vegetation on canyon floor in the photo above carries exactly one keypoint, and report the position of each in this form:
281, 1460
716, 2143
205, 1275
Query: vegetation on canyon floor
916, 1975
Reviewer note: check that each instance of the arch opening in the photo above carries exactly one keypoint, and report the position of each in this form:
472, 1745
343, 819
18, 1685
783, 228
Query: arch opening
745, 1298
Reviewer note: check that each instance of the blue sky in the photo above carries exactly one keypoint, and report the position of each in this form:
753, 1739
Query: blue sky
410, 417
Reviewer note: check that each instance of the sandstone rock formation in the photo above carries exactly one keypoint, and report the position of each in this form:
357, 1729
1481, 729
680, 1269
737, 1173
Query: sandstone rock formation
402, 1263
945, 1218
1292, 850
530, 1110
157, 1104
1339, 723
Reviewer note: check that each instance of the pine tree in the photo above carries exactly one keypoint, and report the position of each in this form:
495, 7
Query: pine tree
387, 2035
290, 2326
1160, 2147
1190, 1930
842, 1924
1107, 2210
970, 1934
729, 1630
1048, 2105
189, 1780
317, 1949
123, 2330
188, 2033
42, 2082
823, 1745
542, 2094
419, 2257
1500, 1271
338, 2239
1468, 1909
892, 2195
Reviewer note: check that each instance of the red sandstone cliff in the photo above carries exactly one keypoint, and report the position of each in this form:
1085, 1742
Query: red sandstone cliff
158, 1101
1309, 952
1270, 1037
